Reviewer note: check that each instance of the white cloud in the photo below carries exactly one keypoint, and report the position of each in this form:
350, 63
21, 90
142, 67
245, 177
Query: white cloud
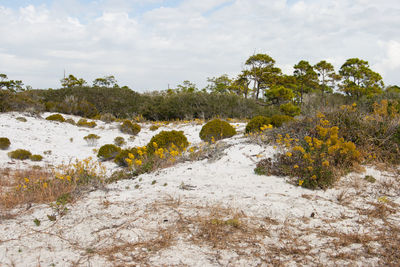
193, 40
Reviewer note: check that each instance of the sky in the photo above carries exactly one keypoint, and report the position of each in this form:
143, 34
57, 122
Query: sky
152, 44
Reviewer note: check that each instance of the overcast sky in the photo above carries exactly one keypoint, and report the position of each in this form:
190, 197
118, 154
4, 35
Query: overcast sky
148, 44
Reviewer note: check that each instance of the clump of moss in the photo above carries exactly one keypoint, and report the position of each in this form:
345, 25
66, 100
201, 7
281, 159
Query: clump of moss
165, 139
108, 152
130, 128
154, 127
56, 117
91, 139
36, 157
119, 141
20, 154
217, 130
255, 124
85, 123
4, 143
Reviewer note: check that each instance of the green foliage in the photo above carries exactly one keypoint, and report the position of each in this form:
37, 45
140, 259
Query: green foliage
11, 85
279, 120
108, 152
107, 117
120, 158
91, 139
217, 130
256, 123
307, 78
70, 121
279, 93
72, 81
119, 141
106, 81
86, 123
36, 157
4, 143
154, 127
20, 154
56, 117
21, 119
166, 139
130, 128
370, 178
290, 109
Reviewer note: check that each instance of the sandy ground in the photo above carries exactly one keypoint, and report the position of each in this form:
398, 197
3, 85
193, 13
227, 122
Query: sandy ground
211, 212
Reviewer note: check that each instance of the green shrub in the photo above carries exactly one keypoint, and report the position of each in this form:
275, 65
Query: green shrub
279, 120
56, 117
19, 154
119, 141
290, 109
256, 123
107, 117
70, 121
4, 143
36, 157
130, 128
108, 152
166, 139
216, 129
154, 127
91, 139
120, 159
21, 119
85, 123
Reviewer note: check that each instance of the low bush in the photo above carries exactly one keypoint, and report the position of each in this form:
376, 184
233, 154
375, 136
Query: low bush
4, 143
119, 141
70, 121
107, 117
91, 139
130, 128
20, 154
21, 119
314, 158
108, 152
36, 157
56, 117
154, 127
290, 110
279, 120
216, 130
167, 139
85, 123
256, 123
123, 155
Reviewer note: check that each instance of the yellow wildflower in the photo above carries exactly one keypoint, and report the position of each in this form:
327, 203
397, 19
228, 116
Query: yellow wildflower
44, 185
138, 162
325, 163
301, 182
296, 166
288, 154
26, 180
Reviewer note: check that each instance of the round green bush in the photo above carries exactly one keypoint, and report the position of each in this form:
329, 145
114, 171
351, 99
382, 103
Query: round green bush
108, 152
36, 157
56, 117
130, 128
279, 120
91, 139
85, 123
119, 141
154, 127
70, 121
217, 129
4, 143
165, 139
19, 154
256, 123
290, 109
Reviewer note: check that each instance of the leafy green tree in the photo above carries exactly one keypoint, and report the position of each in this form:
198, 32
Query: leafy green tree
359, 79
307, 78
186, 86
262, 72
106, 81
240, 86
221, 84
72, 81
327, 76
278, 94
393, 89
11, 85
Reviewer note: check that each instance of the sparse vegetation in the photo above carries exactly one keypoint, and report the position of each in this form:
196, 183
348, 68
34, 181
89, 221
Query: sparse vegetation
119, 141
36, 157
108, 152
86, 123
56, 117
20, 154
130, 128
91, 139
